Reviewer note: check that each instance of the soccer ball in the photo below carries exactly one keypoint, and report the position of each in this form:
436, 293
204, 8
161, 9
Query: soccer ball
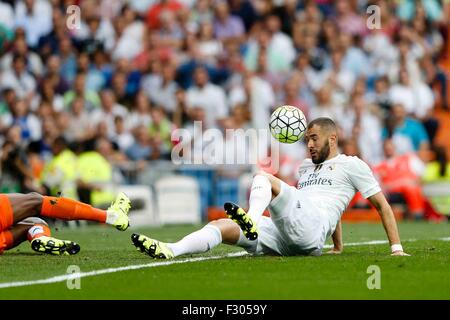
287, 124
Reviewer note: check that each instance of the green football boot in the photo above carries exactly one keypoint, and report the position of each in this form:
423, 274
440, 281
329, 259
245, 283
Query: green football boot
154, 248
50, 245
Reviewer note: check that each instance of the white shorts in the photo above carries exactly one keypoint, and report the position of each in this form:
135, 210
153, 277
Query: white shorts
295, 227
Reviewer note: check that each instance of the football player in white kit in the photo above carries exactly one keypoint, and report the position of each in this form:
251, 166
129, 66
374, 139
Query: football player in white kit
302, 218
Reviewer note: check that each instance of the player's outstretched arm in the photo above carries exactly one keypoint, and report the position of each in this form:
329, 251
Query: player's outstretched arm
389, 223
337, 240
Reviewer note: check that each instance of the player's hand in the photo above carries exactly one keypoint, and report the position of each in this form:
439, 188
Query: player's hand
334, 251
400, 253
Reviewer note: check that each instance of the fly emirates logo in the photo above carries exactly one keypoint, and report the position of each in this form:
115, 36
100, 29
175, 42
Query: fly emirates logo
314, 179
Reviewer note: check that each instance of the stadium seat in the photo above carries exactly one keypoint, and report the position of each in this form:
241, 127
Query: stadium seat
205, 178
143, 211
178, 200
226, 189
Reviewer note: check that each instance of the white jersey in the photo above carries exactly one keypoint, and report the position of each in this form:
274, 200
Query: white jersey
332, 184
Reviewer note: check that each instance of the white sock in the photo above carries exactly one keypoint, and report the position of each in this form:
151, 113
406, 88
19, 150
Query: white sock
197, 242
111, 217
243, 242
260, 197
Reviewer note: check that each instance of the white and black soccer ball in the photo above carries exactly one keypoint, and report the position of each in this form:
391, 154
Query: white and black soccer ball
288, 124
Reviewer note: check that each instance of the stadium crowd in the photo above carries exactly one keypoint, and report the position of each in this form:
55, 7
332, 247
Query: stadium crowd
112, 89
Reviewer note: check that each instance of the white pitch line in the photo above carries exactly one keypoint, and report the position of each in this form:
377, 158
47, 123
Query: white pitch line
379, 242
351, 244
72, 276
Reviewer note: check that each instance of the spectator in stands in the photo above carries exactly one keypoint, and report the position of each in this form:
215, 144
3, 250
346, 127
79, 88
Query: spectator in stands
435, 76
350, 147
19, 79
21, 116
417, 98
130, 35
123, 138
241, 116
341, 79
80, 127
246, 10
274, 79
95, 175
170, 35
109, 110
49, 96
348, 20
95, 80
123, 89
208, 45
80, 89
142, 148
402, 174
6, 104
354, 59
158, 8
66, 51
380, 96
49, 43
95, 31
292, 96
53, 75
160, 131
162, 90
208, 96
33, 62
309, 79
16, 174
218, 74
60, 173
201, 12
180, 117
279, 48
258, 94
35, 16
140, 113
408, 134
109, 150
226, 26
6, 18
50, 131
364, 127
407, 10
325, 106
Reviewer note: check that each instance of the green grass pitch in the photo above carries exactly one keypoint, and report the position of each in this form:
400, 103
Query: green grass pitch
424, 275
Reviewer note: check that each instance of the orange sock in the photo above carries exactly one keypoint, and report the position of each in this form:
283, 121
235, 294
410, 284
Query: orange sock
37, 231
68, 209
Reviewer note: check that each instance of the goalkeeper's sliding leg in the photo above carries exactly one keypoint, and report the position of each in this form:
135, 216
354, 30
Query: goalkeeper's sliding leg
38, 233
19, 221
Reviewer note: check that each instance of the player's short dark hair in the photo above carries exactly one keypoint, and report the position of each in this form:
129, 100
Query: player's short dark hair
324, 123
